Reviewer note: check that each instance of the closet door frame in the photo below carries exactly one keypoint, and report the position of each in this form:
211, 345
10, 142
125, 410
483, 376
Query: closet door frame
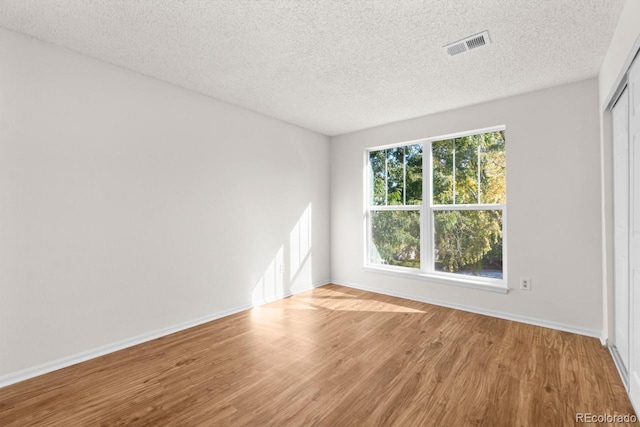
620, 160
633, 87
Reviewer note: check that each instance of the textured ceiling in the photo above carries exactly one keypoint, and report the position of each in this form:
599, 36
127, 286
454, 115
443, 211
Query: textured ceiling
333, 66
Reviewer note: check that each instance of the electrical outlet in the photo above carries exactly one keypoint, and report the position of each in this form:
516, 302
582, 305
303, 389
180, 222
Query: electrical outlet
525, 283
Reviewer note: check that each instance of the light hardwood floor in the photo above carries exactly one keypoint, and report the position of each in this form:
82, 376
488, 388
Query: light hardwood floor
333, 356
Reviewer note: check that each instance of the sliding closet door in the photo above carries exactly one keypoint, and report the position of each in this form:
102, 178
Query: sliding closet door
634, 235
621, 226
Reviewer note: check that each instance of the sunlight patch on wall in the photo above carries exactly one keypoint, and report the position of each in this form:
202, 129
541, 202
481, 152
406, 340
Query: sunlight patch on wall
300, 241
291, 267
271, 285
300, 268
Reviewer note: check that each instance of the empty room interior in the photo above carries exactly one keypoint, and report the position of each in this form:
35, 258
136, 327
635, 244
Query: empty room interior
331, 213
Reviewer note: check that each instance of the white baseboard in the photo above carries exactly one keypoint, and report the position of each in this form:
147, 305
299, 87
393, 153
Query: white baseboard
493, 313
603, 339
25, 374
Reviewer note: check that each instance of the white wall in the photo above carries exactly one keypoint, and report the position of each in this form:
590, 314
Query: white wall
128, 205
553, 196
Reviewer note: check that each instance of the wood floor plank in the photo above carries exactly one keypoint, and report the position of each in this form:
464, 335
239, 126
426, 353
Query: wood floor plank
333, 356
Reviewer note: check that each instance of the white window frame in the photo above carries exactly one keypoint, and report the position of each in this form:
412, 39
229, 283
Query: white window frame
427, 209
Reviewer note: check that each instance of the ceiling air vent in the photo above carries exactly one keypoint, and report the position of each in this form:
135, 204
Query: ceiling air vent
467, 44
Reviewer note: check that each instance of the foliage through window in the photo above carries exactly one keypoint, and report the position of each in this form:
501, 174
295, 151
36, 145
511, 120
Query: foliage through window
444, 213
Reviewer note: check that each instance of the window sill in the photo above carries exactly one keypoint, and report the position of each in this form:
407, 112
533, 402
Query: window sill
498, 286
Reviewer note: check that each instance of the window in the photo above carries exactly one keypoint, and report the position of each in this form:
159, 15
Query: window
442, 214
396, 205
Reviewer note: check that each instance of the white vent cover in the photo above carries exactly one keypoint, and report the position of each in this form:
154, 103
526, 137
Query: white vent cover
467, 44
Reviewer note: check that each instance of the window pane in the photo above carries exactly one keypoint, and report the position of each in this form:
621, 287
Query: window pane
460, 184
413, 158
466, 179
377, 174
395, 238
395, 176
492, 168
442, 158
468, 242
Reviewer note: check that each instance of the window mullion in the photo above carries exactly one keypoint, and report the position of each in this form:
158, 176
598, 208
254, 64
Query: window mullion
426, 244
468, 207
386, 177
479, 188
404, 175
453, 167
395, 208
